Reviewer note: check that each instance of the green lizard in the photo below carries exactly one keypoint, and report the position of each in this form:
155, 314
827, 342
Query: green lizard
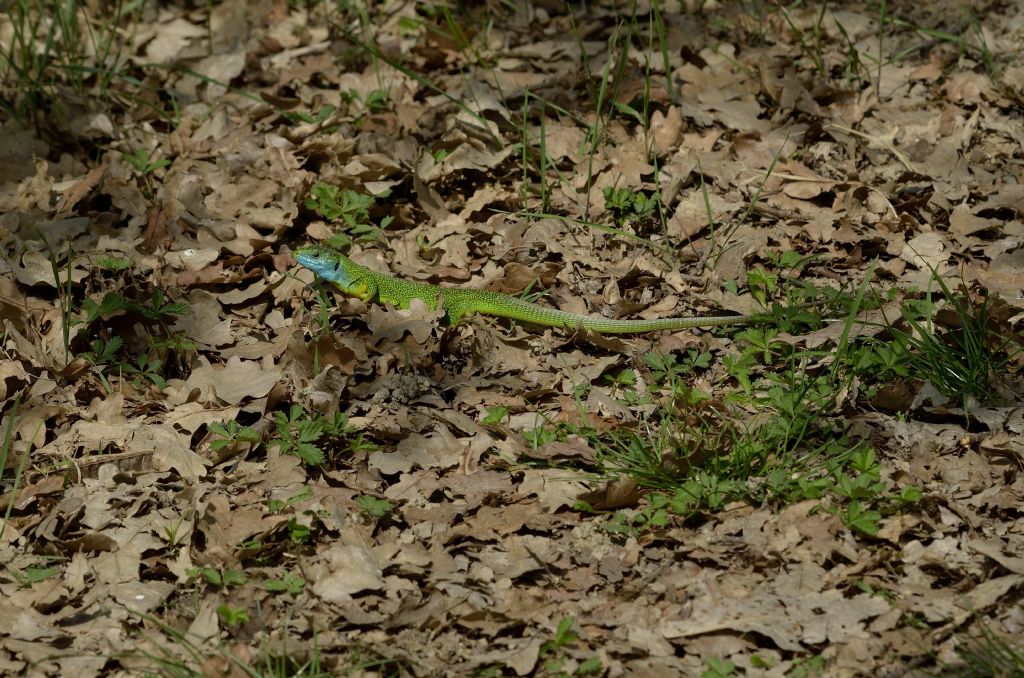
362, 283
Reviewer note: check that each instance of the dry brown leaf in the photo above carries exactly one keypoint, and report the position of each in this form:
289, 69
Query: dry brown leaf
344, 570
231, 383
391, 325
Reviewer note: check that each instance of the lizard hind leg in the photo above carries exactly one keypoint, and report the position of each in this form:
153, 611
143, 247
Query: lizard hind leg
456, 306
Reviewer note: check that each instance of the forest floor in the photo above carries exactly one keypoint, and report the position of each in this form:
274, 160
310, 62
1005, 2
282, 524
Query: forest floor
212, 465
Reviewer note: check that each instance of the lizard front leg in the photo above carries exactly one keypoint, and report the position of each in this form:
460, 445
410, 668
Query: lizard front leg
364, 290
361, 288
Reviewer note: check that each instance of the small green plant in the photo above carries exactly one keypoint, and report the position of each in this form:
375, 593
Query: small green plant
907, 497
103, 351
855, 71
289, 583
171, 530
114, 264
620, 379
165, 346
172, 346
377, 101
865, 484
158, 309
139, 160
54, 53
668, 368
298, 533
490, 671
277, 505
627, 205
447, 25
653, 516
322, 306
629, 112
552, 653
370, 49
111, 303
810, 45
808, 667
64, 292
181, 653
970, 41
495, 415
298, 433
701, 453
230, 434
860, 519
915, 620
706, 491
251, 545
965, 356
762, 284
531, 295
33, 574
989, 656
303, 117
719, 668
219, 578
761, 343
145, 368
883, 593
233, 616
374, 507
5, 452
540, 435
663, 452
353, 208
358, 443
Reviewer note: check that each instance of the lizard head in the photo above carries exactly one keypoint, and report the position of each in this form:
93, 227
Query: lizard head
323, 261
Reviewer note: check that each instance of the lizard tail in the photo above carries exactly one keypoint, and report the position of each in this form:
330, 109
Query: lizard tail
500, 305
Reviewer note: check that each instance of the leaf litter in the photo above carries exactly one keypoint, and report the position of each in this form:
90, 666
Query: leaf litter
442, 532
